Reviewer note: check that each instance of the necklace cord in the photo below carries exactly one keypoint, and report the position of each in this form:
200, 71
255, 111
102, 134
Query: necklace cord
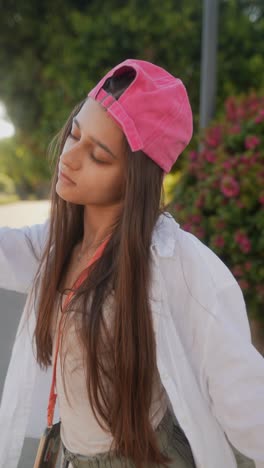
80, 255
78, 282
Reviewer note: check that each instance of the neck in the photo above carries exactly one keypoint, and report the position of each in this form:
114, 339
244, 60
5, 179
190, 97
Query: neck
97, 222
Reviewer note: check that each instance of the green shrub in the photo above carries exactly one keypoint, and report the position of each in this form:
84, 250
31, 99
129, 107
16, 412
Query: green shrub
220, 196
7, 185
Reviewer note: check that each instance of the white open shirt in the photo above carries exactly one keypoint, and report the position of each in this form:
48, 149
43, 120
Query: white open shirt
212, 373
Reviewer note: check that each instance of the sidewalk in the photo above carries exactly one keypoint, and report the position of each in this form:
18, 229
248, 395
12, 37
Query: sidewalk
23, 213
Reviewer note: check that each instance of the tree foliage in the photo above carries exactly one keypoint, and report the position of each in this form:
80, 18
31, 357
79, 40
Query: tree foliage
53, 53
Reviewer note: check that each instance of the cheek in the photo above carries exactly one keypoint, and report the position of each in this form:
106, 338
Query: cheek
103, 184
111, 185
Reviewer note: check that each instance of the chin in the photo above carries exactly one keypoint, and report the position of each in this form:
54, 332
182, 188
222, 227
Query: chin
62, 193
67, 197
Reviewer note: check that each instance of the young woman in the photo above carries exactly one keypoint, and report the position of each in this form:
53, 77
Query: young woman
155, 365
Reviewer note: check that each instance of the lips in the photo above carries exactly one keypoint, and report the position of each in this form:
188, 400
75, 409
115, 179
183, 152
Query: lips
66, 177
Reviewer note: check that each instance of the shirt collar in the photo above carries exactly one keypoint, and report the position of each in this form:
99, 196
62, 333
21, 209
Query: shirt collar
164, 234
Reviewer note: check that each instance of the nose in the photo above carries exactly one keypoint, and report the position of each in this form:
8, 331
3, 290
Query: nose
71, 158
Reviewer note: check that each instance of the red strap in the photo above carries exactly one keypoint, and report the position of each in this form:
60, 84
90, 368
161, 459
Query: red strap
80, 279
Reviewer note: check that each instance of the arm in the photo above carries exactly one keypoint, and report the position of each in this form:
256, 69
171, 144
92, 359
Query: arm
20, 251
234, 373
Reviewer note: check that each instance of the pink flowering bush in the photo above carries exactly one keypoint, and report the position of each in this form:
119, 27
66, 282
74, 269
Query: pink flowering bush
220, 196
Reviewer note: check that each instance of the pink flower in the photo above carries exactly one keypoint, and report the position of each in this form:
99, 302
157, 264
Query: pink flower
261, 198
178, 206
248, 266
215, 183
251, 141
199, 202
235, 162
220, 224
210, 156
244, 284
260, 116
253, 159
237, 270
241, 113
229, 186
231, 108
238, 235
245, 159
253, 105
243, 241
227, 164
193, 155
214, 135
187, 226
240, 204
219, 241
235, 129
200, 232
202, 175
196, 218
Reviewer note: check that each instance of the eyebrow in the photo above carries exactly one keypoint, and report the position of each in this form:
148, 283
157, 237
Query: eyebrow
99, 143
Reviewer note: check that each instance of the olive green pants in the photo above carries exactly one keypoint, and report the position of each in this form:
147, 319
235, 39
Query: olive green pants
171, 439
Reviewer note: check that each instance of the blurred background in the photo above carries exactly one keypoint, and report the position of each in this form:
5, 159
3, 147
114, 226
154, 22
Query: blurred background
53, 52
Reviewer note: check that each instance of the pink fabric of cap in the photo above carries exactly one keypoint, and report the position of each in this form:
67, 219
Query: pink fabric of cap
154, 111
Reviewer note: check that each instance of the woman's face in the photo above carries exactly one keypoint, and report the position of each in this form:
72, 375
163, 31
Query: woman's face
97, 173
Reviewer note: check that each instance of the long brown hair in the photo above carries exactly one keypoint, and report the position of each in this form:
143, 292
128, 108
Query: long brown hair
120, 363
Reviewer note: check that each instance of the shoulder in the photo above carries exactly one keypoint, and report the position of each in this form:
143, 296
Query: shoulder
197, 287
184, 258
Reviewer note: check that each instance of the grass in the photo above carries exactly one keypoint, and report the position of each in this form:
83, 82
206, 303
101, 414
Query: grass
6, 199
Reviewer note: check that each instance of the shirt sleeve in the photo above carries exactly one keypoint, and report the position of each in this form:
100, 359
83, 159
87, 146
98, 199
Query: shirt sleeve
20, 253
234, 373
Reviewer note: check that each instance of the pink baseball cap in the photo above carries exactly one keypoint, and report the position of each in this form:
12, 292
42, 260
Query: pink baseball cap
154, 111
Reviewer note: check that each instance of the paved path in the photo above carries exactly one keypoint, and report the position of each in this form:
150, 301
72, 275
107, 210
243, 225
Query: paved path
25, 212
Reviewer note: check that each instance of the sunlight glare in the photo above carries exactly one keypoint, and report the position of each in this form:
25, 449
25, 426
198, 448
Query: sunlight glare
7, 129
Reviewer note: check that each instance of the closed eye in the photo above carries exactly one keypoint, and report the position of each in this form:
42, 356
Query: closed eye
91, 154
